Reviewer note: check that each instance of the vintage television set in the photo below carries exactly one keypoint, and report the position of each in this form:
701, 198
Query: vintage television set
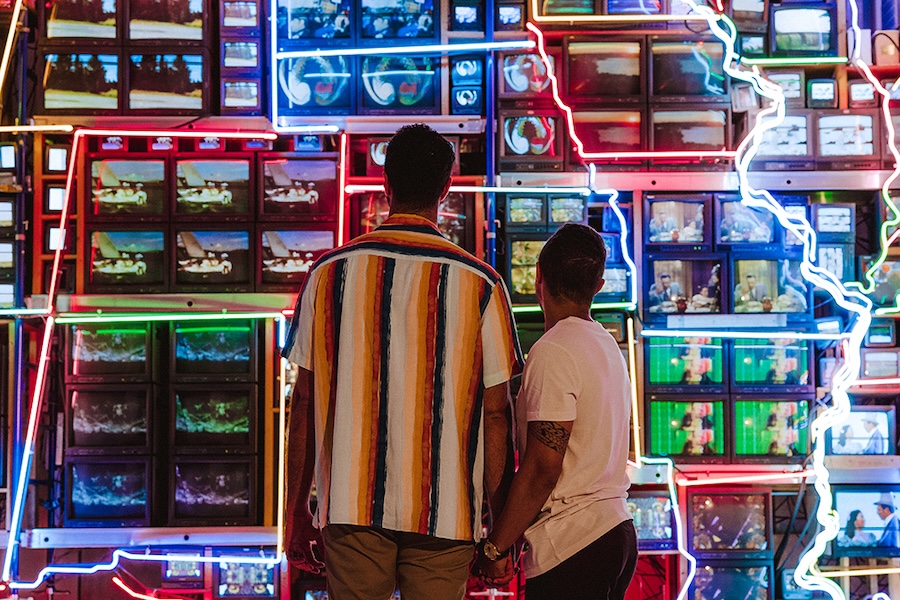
870, 429
848, 140
304, 23
207, 491
302, 187
523, 78
110, 352
567, 208
316, 85
239, 17
771, 429
185, 21
695, 129
880, 363
769, 283
792, 83
466, 86
604, 70
217, 418
400, 85
133, 186
215, 188
522, 251
108, 491
81, 81
107, 420
54, 198
886, 278
687, 428
169, 82
797, 208
240, 95
862, 94
748, 579
834, 222
677, 222
8, 156
867, 515
821, 93
56, 158
772, 366
752, 45
286, 255
205, 352
530, 140
750, 15
467, 16
509, 17
882, 333
123, 260
568, 7
739, 226
685, 365
212, 260
654, 520
687, 70
803, 29
244, 580
397, 22
71, 20
682, 283
183, 570
790, 146
524, 212
730, 523
622, 129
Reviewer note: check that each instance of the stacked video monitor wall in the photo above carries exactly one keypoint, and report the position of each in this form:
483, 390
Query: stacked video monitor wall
161, 424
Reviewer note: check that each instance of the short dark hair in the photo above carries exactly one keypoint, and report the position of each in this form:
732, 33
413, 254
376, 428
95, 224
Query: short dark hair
572, 262
417, 164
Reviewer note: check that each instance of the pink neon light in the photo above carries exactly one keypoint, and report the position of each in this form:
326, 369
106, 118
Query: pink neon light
570, 120
761, 477
122, 585
882, 381
342, 180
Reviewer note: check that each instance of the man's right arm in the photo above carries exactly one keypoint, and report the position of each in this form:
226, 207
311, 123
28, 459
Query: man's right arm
498, 446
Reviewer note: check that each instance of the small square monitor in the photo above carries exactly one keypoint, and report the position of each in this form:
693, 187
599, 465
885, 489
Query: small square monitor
527, 212
882, 333
880, 363
183, 570
244, 580
213, 491
821, 93
869, 429
57, 158
752, 46
510, 17
691, 429
835, 222
682, 285
654, 519
567, 209
749, 15
8, 157
530, 141
125, 187
772, 285
862, 94
886, 278
685, 365
730, 524
72, 19
739, 224
212, 187
240, 54
467, 17
771, 430
299, 188
523, 76
803, 29
238, 14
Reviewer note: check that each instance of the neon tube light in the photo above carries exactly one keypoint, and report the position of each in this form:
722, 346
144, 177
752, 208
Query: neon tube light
24, 312
760, 478
742, 335
884, 381
156, 317
583, 191
124, 587
862, 573
635, 405
37, 129
540, 18
10, 38
423, 49
342, 182
534, 308
790, 62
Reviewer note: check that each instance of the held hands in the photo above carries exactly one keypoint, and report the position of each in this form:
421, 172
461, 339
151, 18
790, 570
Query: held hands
494, 573
305, 549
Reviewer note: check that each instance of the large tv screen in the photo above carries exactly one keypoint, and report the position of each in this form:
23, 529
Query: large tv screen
524, 76
114, 351
314, 20
81, 83
166, 19
95, 19
301, 188
121, 186
689, 130
724, 524
789, 139
383, 19
108, 420
769, 286
213, 420
678, 220
127, 260
287, 255
775, 428
842, 135
683, 286
740, 224
604, 70
242, 580
213, 491
781, 363
610, 130
803, 29
529, 138
868, 518
315, 85
212, 186
400, 84
108, 492
212, 258
166, 82
688, 428
684, 364
688, 69
203, 350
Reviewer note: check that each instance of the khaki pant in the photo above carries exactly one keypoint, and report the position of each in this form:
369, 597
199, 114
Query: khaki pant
369, 563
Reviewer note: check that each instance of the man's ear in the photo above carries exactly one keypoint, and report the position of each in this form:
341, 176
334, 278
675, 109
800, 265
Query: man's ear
387, 188
599, 287
447, 188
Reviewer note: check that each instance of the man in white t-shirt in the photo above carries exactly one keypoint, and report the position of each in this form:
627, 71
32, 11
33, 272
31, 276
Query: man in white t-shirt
568, 496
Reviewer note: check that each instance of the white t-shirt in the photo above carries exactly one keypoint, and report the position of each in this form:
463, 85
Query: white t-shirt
576, 372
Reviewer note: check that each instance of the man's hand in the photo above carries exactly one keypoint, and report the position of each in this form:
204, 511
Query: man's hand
495, 573
304, 547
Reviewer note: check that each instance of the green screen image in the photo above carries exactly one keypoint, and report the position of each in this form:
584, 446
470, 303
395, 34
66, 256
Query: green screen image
687, 428
689, 361
771, 362
770, 428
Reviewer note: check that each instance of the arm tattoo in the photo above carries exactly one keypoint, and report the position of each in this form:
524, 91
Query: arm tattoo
551, 434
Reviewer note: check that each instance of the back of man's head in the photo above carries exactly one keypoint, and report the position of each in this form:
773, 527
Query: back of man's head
572, 263
417, 165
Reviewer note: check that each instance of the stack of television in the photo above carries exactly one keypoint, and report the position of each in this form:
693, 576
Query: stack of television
9, 156
241, 89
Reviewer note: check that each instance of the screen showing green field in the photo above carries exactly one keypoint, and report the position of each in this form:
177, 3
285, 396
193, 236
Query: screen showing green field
770, 428
771, 362
688, 361
687, 428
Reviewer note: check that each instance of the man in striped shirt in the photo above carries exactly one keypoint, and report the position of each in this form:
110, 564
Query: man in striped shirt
405, 345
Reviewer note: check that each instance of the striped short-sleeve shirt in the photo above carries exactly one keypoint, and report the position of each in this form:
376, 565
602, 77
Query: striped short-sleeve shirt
403, 331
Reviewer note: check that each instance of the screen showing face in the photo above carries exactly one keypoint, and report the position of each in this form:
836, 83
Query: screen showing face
604, 69
769, 286
397, 19
802, 30
314, 19
299, 187
676, 222
868, 521
243, 580
523, 265
688, 69
124, 258
172, 20
771, 362
212, 257
398, 82
790, 138
770, 427
288, 255
205, 350
747, 583
81, 82
530, 136
78, 19
205, 418
685, 286
212, 186
609, 131
108, 350
864, 432
791, 84
687, 361
846, 135
525, 75
689, 428
740, 224
729, 522
880, 363
108, 491
689, 130
103, 419
128, 186
212, 490
653, 518
166, 82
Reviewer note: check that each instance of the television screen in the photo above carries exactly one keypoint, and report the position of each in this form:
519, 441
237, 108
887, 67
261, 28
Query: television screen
633, 7
240, 14
862, 94
108, 492
771, 362
309, 19
214, 419
523, 257
166, 82
604, 70
467, 17
212, 186
654, 521
684, 286
104, 350
510, 17
78, 19
240, 94
792, 85
6, 214
610, 130
294, 187
82, 83
800, 30
688, 69
682, 363
170, 20
868, 430
687, 428
182, 571
775, 428
397, 19
527, 211
214, 349
288, 254
102, 419
128, 187
127, 259
878, 364
530, 137
846, 135
616, 281
740, 224
790, 138
568, 209
567, 7
868, 521
822, 93
400, 83
57, 158
524, 76
729, 524
753, 46
55, 199
677, 221
796, 212
835, 221
837, 258
749, 15
245, 580
744, 581
466, 71
240, 54
453, 216
887, 281
213, 491
212, 257
689, 130
315, 84
769, 286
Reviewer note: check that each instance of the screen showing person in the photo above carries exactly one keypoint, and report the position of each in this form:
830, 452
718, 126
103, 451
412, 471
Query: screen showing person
869, 521
769, 286
687, 428
397, 19
742, 224
867, 430
688, 360
684, 286
312, 19
523, 265
771, 428
771, 362
653, 519
732, 523
676, 222
714, 582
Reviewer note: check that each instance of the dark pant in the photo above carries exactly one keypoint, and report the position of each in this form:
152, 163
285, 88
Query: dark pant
602, 571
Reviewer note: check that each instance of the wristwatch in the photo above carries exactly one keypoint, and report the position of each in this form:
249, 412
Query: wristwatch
491, 552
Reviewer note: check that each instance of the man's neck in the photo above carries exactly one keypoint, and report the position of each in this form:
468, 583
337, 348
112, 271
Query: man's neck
559, 310
430, 214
